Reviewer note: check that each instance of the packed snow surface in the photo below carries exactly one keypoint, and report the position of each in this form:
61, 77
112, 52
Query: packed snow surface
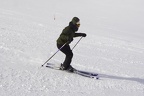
113, 48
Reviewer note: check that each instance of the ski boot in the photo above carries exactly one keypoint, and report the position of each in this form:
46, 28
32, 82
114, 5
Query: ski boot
70, 69
62, 67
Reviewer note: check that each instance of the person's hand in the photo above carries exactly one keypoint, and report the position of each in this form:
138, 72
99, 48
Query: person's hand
84, 35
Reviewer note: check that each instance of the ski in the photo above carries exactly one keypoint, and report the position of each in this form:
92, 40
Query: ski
86, 74
78, 72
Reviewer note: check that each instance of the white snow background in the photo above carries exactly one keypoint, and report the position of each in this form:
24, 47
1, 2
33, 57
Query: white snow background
113, 48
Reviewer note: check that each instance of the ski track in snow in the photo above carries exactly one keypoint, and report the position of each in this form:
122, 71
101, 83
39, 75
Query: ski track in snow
25, 45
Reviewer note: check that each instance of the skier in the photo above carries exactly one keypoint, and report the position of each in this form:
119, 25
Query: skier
67, 37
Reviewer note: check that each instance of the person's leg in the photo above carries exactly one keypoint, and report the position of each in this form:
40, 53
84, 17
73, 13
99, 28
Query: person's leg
69, 55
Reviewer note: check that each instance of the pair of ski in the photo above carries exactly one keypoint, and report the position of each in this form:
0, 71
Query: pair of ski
82, 73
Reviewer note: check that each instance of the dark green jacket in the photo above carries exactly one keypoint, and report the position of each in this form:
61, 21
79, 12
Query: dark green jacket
67, 34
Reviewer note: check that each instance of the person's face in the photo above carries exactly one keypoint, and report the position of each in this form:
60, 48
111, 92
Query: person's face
78, 24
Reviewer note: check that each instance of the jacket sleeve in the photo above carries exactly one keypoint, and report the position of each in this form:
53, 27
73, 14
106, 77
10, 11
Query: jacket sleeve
78, 34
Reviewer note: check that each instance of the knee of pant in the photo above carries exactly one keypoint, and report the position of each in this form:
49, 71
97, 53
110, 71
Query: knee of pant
70, 55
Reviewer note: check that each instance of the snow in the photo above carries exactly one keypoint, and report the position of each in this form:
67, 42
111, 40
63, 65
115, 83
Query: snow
113, 48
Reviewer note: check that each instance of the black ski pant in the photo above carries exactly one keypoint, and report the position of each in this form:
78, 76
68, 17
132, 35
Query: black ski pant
69, 55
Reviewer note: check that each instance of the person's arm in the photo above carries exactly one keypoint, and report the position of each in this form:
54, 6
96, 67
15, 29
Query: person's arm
80, 34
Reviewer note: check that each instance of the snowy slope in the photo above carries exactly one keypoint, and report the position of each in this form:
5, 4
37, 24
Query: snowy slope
114, 47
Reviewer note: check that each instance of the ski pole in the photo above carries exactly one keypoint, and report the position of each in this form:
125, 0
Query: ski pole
77, 43
54, 54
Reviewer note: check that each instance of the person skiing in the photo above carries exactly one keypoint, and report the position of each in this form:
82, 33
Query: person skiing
67, 37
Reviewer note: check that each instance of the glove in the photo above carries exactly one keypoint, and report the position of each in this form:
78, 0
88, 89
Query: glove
83, 35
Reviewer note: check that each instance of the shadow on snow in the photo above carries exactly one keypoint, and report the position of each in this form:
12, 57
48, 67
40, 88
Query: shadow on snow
139, 80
